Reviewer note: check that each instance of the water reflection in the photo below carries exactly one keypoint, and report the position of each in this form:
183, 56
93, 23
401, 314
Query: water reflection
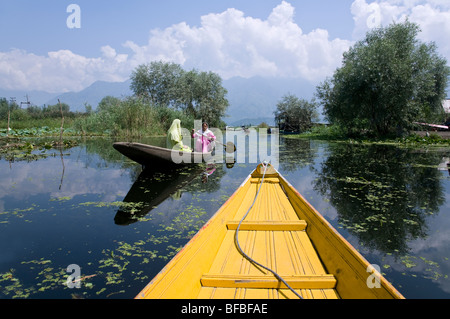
152, 187
382, 194
296, 153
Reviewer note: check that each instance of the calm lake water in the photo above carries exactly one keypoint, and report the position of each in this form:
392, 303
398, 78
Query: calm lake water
91, 207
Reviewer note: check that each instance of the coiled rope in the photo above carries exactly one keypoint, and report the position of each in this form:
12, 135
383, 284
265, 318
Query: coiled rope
236, 238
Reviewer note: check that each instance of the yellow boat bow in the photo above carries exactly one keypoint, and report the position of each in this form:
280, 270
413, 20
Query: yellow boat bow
279, 230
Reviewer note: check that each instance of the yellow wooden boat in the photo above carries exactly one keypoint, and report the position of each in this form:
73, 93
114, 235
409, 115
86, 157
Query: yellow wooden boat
267, 242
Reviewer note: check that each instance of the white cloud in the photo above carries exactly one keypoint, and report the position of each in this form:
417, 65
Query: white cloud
59, 71
232, 44
433, 17
228, 43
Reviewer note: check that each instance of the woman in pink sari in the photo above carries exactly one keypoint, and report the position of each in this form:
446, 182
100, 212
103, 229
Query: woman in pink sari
205, 139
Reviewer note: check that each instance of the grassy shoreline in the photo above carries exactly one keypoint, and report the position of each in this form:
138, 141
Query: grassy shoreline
51, 128
414, 139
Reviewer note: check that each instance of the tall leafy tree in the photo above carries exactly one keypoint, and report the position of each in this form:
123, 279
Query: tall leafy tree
387, 81
156, 82
294, 114
199, 94
203, 96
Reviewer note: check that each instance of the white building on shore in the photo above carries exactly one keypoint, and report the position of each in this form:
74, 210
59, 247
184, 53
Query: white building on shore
446, 106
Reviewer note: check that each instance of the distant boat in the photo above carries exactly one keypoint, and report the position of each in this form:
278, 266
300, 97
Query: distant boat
437, 126
287, 250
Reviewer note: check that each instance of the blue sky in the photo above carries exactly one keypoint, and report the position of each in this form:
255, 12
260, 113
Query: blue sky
296, 38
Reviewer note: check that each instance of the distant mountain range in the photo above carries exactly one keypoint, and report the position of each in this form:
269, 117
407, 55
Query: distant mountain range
93, 94
252, 100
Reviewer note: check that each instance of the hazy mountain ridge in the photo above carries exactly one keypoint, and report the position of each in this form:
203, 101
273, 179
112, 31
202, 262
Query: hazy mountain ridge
93, 94
257, 97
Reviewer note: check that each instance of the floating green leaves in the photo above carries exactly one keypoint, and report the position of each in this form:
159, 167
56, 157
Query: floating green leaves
115, 268
45, 278
24, 150
19, 213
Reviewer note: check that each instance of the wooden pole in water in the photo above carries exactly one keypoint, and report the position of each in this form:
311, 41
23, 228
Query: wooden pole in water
62, 123
12, 100
7, 132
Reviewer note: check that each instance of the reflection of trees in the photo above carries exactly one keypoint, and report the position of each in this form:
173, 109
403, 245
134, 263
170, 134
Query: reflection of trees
382, 194
295, 153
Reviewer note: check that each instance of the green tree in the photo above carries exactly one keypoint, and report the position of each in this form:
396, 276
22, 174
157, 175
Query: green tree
4, 107
55, 109
198, 94
201, 95
387, 81
294, 114
108, 103
156, 82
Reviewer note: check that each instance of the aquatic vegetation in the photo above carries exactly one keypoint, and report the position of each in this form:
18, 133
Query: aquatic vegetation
19, 213
130, 207
46, 278
36, 132
108, 275
429, 269
382, 194
64, 198
24, 150
417, 140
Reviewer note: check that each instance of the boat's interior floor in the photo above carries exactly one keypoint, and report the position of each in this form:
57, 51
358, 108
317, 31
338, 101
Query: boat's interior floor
273, 235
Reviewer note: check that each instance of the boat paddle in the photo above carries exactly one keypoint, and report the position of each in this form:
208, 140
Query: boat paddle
229, 147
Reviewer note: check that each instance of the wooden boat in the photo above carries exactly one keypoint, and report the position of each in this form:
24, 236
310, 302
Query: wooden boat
435, 126
280, 230
148, 154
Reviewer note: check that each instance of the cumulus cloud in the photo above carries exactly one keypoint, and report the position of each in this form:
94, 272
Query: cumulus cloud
433, 17
59, 71
228, 43
233, 44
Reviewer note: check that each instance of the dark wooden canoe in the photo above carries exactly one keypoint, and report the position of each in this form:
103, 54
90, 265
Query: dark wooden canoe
153, 155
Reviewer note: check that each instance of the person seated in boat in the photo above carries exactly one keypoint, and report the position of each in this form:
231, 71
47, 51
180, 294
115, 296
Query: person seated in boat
175, 138
205, 139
